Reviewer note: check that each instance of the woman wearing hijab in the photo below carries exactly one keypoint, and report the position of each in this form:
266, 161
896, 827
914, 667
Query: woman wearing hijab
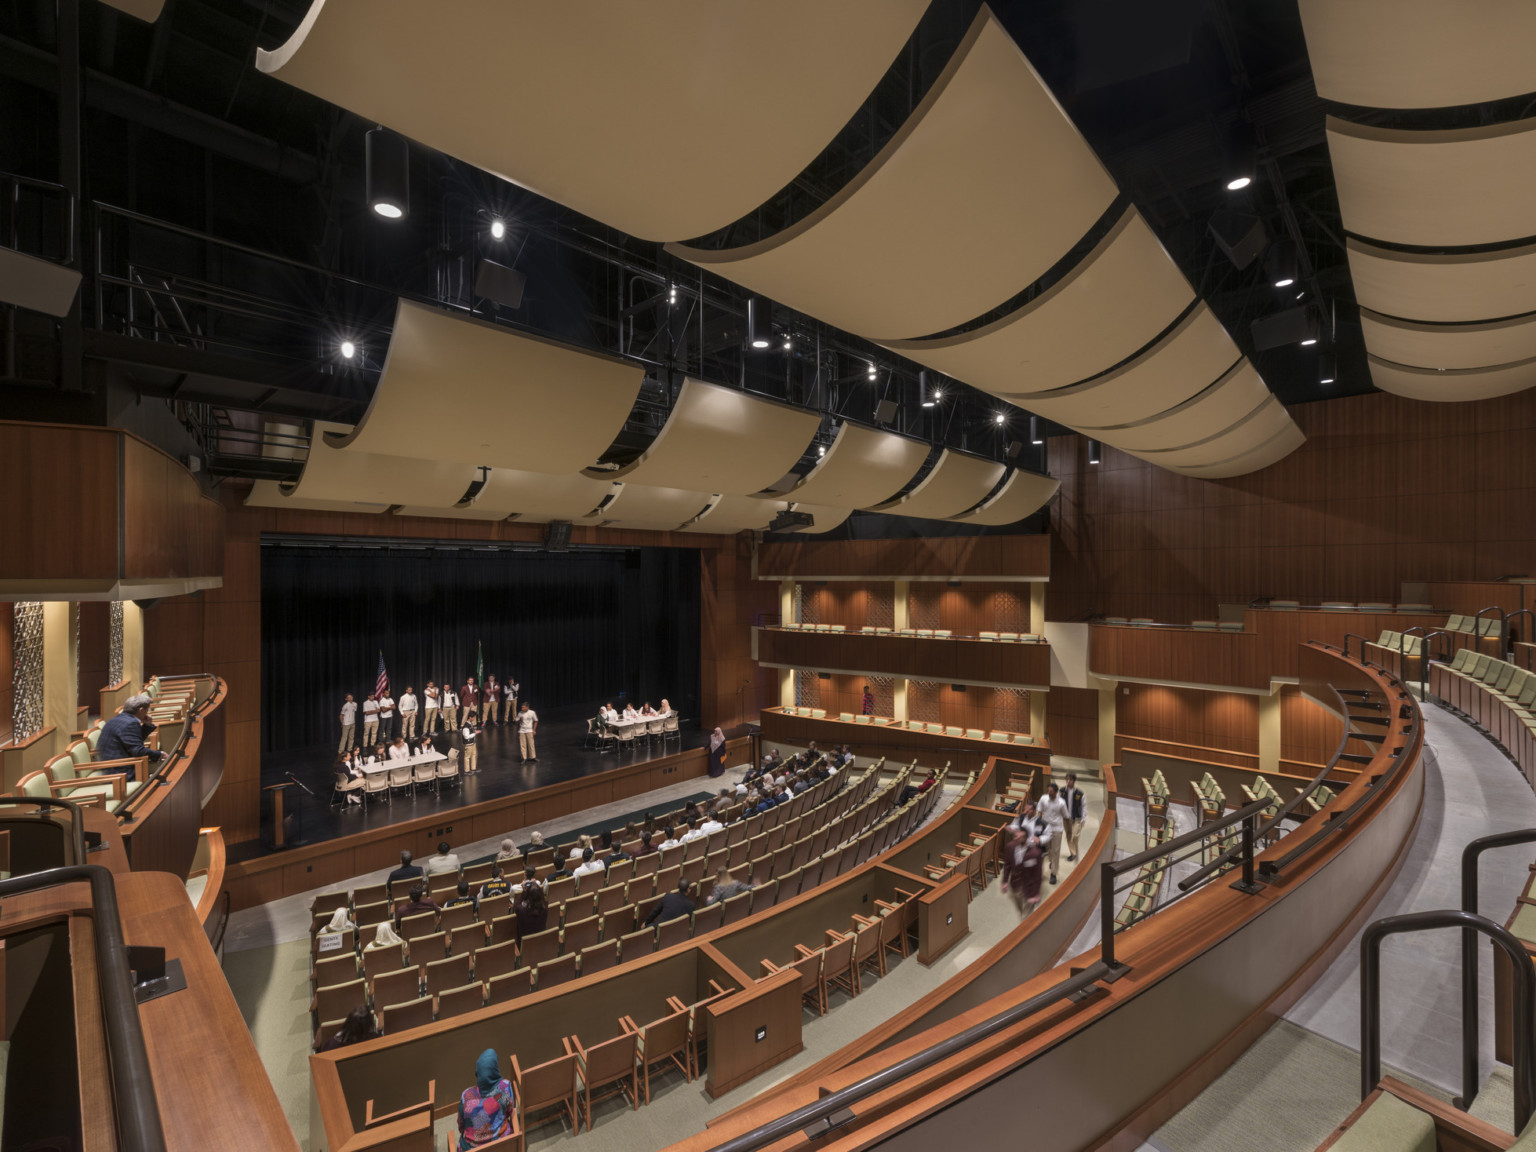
357, 1027
341, 922
385, 937
717, 753
507, 851
485, 1110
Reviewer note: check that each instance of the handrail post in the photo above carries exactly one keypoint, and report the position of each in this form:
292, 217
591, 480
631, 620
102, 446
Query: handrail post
1107, 916
1248, 883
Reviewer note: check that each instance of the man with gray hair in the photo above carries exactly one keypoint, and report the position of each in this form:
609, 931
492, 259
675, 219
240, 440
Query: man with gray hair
122, 737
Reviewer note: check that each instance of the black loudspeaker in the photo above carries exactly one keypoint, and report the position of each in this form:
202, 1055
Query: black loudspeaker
1291, 326
497, 282
1013, 450
557, 536
1240, 236
885, 411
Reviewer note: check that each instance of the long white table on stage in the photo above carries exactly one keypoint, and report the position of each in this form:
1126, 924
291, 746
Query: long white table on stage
637, 725
420, 758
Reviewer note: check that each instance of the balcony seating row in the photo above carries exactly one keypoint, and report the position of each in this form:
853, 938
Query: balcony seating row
922, 633
932, 728
1496, 695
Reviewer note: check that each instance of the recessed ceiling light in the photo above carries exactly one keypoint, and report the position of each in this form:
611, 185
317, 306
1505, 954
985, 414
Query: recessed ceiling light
999, 418
348, 349
1238, 183
498, 229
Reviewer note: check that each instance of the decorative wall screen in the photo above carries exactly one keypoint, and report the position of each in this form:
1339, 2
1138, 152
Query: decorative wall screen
1010, 613
923, 609
115, 642
883, 689
1010, 708
923, 700
807, 689
806, 610
881, 613
27, 670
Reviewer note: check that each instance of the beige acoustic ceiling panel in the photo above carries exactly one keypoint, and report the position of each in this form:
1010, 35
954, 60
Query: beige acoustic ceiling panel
144, 9
957, 484
269, 494
347, 474
667, 119
457, 388
1450, 188
823, 518
32, 282
722, 440
1214, 410
732, 514
1249, 434
529, 496
1452, 384
1022, 494
1420, 53
862, 468
1272, 451
1435, 286
1113, 303
656, 509
1449, 345
985, 186
1186, 361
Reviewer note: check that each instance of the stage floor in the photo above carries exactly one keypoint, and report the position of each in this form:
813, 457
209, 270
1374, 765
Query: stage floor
562, 757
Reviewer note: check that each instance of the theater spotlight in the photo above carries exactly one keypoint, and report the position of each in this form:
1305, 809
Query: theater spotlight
1000, 418
1309, 333
1094, 449
1281, 265
1034, 431
872, 372
928, 398
759, 324
348, 349
1326, 367
498, 230
1238, 183
387, 160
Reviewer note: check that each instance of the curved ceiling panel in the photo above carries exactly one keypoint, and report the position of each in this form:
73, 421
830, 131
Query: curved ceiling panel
863, 467
1248, 435
533, 496
658, 509
1420, 53
825, 519
269, 494
1187, 360
751, 93
1433, 286
1022, 494
1440, 188
349, 475
457, 388
957, 484
1453, 384
1449, 345
1112, 304
1219, 407
984, 188
1286, 441
732, 514
144, 9
721, 440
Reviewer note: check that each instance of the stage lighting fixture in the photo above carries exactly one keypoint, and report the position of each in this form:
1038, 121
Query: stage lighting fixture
787, 521
1013, 449
759, 324
1094, 451
348, 349
672, 294
387, 160
1327, 365
929, 399
999, 418
927, 403
821, 450
1238, 183
1309, 331
1282, 265
872, 372
1034, 431
788, 345
498, 229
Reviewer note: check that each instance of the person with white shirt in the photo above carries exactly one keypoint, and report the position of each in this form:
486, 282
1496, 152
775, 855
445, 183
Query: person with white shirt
408, 713
398, 750
509, 693
527, 726
671, 840
351, 767
579, 848
387, 716
711, 826
431, 705
1053, 810
490, 713
370, 720
588, 864
665, 709
695, 833
444, 860
631, 712
450, 708
471, 753
348, 723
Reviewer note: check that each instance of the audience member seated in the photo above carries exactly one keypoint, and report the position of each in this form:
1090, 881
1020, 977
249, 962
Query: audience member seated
646, 847
672, 905
419, 902
385, 937
588, 864
398, 750
122, 737
710, 826
486, 1109
445, 860
508, 851
917, 789
497, 885
726, 886
340, 922
463, 897
357, 1027
580, 847
531, 910
669, 839
406, 872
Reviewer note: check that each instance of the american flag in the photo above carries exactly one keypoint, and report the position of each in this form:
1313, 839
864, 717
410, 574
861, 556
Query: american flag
381, 686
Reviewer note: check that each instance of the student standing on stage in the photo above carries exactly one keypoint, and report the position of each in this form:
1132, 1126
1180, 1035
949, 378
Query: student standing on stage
348, 723
509, 692
490, 712
527, 725
434, 699
469, 697
450, 709
471, 753
370, 721
408, 713
387, 716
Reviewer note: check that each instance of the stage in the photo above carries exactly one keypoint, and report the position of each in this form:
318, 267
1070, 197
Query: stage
563, 757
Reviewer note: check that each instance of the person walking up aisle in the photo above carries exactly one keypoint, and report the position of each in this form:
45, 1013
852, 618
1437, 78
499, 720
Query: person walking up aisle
348, 724
1053, 810
527, 726
1077, 812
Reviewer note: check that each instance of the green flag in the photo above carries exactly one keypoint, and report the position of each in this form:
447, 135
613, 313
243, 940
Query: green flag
479, 662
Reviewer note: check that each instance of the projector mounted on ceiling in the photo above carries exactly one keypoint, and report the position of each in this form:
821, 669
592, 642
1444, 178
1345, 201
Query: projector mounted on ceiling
792, 522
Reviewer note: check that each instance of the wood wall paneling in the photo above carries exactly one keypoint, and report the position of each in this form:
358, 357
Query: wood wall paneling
970, 557
66, 527
926, 658
95, 650
1072, 722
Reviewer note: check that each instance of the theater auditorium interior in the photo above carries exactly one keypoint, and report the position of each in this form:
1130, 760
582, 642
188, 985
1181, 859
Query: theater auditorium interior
731, 576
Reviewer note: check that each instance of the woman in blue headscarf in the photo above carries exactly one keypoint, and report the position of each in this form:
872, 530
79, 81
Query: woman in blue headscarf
485, 1110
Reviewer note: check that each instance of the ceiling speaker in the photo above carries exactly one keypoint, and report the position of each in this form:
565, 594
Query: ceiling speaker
885, 411
1240, 236
1281, 328
500, 283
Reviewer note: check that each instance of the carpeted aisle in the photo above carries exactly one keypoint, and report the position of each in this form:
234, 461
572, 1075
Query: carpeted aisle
271, 985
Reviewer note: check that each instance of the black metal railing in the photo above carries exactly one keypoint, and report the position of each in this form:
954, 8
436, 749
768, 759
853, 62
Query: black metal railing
133, 1088
26, 204
1468, 922
129, 807
45, 806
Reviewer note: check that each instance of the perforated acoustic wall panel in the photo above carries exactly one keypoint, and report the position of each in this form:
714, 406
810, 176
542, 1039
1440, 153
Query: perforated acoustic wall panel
27, 670
546, 95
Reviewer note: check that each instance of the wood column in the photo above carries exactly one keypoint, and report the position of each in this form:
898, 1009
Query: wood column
1269, 732
61, 669
899, 699
1037, 702
1036, 606
903, 604
133, 645
1107, 694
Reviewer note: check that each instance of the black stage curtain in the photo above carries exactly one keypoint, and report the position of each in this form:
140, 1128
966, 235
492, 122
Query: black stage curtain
574, 628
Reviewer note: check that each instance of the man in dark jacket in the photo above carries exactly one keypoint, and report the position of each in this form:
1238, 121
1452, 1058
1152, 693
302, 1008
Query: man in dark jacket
673, 905
404, 874
122, 737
